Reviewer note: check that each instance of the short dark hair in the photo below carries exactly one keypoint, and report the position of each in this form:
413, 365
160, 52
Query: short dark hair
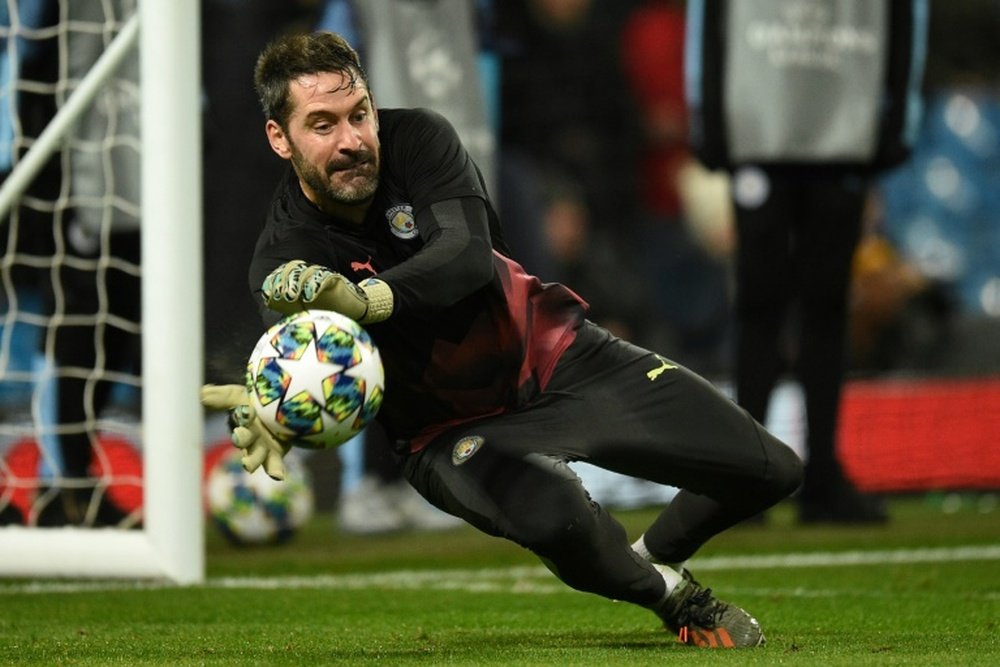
293, 55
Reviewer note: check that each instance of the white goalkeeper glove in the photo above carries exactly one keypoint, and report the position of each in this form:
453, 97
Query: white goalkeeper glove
249, 433
296, 286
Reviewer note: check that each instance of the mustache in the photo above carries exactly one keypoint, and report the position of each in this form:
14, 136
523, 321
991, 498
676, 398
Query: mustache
359, 158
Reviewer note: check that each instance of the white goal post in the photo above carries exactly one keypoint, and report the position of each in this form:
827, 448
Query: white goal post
170, 545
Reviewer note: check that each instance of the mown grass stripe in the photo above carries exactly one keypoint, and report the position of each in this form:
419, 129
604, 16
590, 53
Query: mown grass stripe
522, 579
849, 558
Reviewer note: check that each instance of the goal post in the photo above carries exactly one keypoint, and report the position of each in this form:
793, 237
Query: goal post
165, 38
173, 421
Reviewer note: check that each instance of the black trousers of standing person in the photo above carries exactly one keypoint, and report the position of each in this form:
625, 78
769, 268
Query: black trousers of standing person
798, 228
88, 345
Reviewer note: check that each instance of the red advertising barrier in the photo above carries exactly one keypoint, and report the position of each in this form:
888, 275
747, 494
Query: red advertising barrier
915, 435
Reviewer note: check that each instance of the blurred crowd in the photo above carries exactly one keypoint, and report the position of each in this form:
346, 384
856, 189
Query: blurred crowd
584, 137
599, 182
597, 186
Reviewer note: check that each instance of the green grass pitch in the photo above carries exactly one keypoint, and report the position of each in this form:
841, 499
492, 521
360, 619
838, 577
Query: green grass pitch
924, 590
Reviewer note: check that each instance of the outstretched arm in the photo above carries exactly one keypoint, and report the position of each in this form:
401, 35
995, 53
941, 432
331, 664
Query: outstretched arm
456, 261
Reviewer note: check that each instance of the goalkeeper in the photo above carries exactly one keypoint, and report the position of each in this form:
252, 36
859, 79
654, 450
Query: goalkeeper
494, 380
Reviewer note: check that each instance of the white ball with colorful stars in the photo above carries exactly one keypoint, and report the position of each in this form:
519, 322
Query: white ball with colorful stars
315, 379
252, 509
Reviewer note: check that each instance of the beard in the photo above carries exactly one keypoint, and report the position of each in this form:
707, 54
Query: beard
347, 182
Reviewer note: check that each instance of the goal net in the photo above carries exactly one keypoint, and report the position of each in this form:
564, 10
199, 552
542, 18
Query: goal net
100, 291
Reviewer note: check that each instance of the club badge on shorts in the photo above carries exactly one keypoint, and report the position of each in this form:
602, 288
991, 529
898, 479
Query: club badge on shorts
465, 448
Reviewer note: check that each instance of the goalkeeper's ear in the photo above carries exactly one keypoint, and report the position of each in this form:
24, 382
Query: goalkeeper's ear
278, 140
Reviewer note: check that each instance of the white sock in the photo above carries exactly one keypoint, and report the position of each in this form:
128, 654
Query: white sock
679, 567
671, 578
672, 572
639, 546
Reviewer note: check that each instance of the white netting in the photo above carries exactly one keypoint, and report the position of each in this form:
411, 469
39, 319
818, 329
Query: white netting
70, 299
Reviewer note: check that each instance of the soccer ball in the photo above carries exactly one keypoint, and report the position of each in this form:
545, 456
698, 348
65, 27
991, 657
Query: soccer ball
251, 508
315, 379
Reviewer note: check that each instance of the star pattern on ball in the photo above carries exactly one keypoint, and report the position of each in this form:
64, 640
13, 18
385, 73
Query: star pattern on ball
310, 378
371, 374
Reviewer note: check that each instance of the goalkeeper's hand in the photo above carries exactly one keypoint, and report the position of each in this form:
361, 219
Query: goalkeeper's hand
296, 286
249, 433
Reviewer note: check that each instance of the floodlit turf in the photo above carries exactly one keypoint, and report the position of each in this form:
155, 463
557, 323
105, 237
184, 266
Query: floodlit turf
465, 599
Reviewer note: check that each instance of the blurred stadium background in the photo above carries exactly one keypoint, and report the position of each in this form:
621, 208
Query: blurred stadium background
921, 411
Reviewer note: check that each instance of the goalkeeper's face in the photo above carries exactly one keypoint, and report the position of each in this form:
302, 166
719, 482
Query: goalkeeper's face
331, 139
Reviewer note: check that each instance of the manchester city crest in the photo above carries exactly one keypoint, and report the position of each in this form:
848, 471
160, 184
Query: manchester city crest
465, 448
401, 222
